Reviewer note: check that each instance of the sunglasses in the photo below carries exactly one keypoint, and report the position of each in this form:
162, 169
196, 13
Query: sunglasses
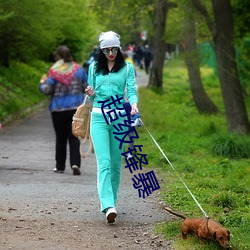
106, 51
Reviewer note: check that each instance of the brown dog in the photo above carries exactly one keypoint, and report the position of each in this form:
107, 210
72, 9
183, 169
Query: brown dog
204, 229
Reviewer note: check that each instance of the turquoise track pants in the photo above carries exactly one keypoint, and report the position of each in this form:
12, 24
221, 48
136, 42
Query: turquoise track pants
109, 159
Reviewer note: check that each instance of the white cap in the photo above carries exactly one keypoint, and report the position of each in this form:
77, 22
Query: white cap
109, 39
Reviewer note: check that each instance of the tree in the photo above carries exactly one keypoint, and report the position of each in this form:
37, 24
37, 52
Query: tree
223, 38
159, 46
201, 99
28, 33
128, 17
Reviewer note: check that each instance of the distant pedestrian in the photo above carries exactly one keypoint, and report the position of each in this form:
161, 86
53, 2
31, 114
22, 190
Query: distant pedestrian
147, 54
93, 55
65, 84
138, 55
108, 76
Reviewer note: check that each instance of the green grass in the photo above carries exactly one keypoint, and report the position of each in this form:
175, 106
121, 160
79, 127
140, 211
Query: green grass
19, 88
214, 164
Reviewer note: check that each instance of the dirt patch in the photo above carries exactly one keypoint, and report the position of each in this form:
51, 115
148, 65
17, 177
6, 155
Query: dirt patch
57, 235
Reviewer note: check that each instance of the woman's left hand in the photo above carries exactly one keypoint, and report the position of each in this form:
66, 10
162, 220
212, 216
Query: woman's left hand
134, 109
90, 91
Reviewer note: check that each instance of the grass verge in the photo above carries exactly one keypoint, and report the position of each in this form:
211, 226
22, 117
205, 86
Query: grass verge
214, 164
19, 89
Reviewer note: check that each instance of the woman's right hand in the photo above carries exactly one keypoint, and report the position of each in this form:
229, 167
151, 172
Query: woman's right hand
90, 91
134, 109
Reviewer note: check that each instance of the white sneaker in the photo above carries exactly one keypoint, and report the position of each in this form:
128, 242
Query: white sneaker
58, 171
76, 170
111, 214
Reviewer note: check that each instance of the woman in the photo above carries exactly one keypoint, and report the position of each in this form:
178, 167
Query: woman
108, 76
65, 83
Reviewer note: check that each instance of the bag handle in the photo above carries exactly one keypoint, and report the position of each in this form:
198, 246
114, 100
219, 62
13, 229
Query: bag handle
85, 99
87, 137
90, 149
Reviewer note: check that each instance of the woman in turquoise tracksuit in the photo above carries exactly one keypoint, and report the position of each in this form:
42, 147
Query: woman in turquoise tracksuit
108, 76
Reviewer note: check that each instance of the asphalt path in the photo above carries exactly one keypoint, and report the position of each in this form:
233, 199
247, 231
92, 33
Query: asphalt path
29, 188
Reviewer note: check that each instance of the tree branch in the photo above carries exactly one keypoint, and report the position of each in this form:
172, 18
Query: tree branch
202, 9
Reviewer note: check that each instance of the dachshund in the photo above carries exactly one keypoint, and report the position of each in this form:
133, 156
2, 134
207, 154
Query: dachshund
204, 229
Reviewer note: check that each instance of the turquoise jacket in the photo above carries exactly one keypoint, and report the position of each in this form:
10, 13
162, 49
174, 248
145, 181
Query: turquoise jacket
112, 84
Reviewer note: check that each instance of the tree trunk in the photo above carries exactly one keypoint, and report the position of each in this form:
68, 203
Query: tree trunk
235, 109
159, 47
223, 38
201, 99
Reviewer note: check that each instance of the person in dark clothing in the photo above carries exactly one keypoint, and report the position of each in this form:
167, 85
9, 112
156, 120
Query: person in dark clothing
147, 54
138, 55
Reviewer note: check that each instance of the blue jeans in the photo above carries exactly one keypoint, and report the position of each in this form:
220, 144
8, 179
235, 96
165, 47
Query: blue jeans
109, 158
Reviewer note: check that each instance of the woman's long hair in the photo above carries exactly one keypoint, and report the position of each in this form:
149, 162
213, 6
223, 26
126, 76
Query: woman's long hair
102, 66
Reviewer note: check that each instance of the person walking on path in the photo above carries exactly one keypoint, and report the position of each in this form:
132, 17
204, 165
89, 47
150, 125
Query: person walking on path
147, 54
65, 84
108, 77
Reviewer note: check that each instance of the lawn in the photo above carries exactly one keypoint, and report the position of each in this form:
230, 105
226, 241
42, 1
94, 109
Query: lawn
214, 164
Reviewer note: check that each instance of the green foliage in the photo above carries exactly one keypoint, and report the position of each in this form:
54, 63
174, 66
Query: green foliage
128, 18
175, 28
231, 146
29, 33
219, 183
243, 59
175, 25
19, 87
241, 17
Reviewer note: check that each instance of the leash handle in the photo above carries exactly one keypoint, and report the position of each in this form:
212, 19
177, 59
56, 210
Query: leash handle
175, 170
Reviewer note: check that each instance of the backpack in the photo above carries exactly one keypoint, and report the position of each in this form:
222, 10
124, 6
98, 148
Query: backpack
81, 126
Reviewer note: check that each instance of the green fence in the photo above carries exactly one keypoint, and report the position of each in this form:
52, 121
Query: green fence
208, 58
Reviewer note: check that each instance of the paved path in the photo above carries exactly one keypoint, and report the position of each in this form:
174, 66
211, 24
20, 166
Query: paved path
29, 189
141, 78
